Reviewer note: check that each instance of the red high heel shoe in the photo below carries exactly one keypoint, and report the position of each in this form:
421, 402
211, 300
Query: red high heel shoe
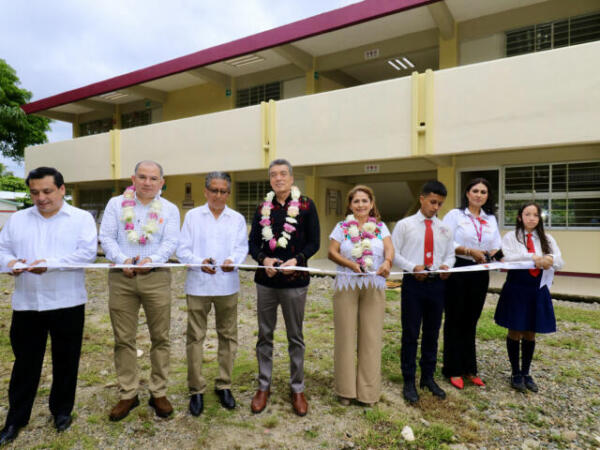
476, 380
457, 382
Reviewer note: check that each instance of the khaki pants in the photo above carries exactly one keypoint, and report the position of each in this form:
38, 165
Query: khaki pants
125, 295
358, 328
226, 325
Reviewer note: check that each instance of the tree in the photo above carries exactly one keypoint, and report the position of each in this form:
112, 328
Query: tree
17, 129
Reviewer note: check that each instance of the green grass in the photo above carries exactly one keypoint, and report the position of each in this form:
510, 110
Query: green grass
392, 295
578, 316
487, 330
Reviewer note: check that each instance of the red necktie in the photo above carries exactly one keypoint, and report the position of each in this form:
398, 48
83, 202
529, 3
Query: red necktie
428, 243
531, 249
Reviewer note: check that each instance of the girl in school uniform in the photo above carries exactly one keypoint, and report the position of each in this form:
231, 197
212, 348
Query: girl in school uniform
525, 305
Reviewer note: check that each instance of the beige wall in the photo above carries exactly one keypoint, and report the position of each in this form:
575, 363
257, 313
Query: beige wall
541, 99
346, 124
201, 99
83, 159
227, 140
482, 49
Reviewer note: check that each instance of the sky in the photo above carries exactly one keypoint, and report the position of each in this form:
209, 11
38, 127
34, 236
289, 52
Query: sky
59, 45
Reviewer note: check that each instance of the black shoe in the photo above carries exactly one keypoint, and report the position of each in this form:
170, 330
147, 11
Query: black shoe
226, 398
516, 382
430, 384
196, 404
62, 422
410, 392
529, 383
8, 434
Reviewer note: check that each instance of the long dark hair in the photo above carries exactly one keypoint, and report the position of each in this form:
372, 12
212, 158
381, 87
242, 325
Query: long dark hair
520, 228
488, 207
367, 190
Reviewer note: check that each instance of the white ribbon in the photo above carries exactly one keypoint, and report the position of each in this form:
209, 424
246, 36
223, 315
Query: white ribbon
547, 276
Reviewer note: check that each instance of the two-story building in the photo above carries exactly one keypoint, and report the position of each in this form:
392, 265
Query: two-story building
387, 93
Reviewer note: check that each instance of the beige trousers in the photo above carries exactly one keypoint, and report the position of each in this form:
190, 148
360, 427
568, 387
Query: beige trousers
125, 295
358, 323
226, 325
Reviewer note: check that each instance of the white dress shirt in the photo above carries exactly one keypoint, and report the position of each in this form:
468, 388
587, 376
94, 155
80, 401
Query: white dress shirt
467, 230
515, 250
408, 238
68, 237
203, 237
159, 248
342, 280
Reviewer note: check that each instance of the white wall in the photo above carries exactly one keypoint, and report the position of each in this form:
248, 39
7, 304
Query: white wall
543, 99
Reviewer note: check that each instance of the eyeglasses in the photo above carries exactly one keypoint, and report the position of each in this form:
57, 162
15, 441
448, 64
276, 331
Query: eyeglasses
217, 191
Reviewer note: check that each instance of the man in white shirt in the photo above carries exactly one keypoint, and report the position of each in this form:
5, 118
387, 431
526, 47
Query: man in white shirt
421, 243
217, 235
140, 227
46, 300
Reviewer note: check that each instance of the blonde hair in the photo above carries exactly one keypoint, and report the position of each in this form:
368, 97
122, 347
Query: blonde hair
367, 190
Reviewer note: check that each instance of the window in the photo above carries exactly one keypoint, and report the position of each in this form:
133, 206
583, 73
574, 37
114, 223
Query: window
568, 193
95, 127
256, 94
560, 33
136, 118
248, 195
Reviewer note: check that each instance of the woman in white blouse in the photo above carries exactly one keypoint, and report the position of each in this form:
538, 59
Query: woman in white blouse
362, 248
525, 306
476, 240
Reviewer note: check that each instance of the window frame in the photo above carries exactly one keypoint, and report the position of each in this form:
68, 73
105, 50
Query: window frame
549, 196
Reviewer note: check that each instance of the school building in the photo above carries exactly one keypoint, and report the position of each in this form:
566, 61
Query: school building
388, 93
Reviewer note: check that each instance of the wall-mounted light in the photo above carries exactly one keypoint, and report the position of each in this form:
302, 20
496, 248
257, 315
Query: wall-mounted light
401, 63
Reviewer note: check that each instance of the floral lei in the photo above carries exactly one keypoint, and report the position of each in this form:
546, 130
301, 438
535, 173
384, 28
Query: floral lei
292, 211
361, 251
128, 216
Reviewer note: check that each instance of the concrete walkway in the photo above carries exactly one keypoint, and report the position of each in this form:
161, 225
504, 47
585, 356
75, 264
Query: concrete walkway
564, 287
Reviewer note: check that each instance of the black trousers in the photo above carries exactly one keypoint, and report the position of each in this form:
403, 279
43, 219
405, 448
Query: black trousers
465, 297
28, 335
422, 302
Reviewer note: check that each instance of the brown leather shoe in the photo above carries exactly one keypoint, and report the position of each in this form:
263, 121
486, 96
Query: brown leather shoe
121, 409
299, 403
161, 406
259, 401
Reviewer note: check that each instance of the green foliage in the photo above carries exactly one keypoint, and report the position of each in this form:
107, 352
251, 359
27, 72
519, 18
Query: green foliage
17, 129
12, 183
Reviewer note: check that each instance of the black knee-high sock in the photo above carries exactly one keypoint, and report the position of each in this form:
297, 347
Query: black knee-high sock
527, 348
513, 354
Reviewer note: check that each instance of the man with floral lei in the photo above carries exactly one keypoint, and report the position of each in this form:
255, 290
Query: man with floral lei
140, 227
285, 233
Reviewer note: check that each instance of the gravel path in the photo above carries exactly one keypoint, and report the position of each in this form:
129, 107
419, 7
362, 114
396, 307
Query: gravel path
565, 414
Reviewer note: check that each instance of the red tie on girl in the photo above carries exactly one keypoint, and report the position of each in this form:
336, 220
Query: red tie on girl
428, 243
531, 249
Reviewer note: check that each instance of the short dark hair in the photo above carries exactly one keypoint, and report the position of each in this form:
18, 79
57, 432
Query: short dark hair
434, 187
217, 176
42, 172
281, 162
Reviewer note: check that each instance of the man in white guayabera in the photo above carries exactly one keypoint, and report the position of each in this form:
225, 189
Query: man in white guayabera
140, 227
212, 234
47, 300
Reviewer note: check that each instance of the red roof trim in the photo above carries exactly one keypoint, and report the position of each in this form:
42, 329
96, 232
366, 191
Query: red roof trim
319, 24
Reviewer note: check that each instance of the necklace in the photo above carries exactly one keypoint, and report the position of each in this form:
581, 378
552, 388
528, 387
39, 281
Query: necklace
293, 210
153, 220
361, 252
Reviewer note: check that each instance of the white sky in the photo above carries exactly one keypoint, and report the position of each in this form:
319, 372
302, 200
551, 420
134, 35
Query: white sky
59, 45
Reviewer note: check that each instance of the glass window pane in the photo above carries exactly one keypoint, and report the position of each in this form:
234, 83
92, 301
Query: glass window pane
558, 213
519, 42
541, 178
584, 177
585, 29
584, 212
559, 178
543, 37
518, 179
561, 33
